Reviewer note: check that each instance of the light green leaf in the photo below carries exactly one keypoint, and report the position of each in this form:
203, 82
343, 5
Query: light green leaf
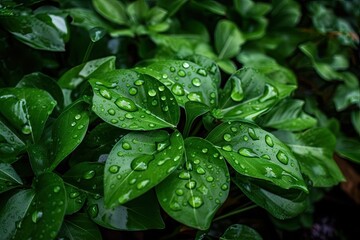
138, 162
86, 18
112, 10
228, 39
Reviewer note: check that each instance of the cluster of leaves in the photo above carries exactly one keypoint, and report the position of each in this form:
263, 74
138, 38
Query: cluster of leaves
183, 105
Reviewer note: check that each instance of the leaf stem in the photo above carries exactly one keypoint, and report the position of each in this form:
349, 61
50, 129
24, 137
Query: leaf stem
88, 51
235, 212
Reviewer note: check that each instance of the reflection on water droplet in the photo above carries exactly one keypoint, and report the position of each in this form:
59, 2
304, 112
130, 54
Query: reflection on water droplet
152, 93
139, 82
142, 184
178, 90
126, 146
210, 179
105, 93
200, 170
246, 138
247, 152
126, 104
202, 72
184, 175
77, 116
181, 73
190, 184
252, 134
269, 141
93, 210
196, 82
179, 192
111, 111
133, 91
282, 157
265, 156
56, 189
36, 216
141, 163
185, 65
26, 129
193, 96
114, 169
89, 174
172, 69
204, 150
129, 116
227, 148
73, 124
195, 201
175, 206
234, 129
224, 187
227, 137
73, 195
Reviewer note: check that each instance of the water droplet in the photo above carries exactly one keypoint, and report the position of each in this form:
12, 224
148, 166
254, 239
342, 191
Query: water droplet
269, 93
269, 172
234, 129
114, 169
105, 93
184, 175
178, 90
179, 192
73, 124
204, 150
26, 129
124, 198
175, 206
282, 157
185, 65
177, 158
56, 189
195, 201
265, 156
247, 152
162, 161
152, 93
139, 82
93, 210
172, 69
200, 170
89, 174
132, 181
141, 163
111, 111
35, 217
227, 148
73, 195
114, 121
196, 161
77, 116
224, 187
181, 73
80, 127
129, 116
202, 72
142, 184
196, 82
193, 96
126, 146
190, 184
246, 138
133, 91
161, 88
126, 104
227, 137
252, 134
269, 141
210, 179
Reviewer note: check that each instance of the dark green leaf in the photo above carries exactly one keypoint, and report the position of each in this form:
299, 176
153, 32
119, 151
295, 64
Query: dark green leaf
211, 6
138, 162
186, 80
43, 31
285, 14
172, 6
355, 120
255, 153
112, 10
196, 190
97, 33
79, 227
288, 115
8, 178
141, 213
345, 96
193, 110
69, 130
86, 176
240, 232
130, 100
314, 150
38, 157
75, 199
27, 109
228, 39
348, 148
277, 205
10, 144
86, 18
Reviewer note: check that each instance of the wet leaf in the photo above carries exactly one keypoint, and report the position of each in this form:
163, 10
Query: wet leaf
112, 10
239, 231
138, 162
79, 227
255, 153
133, 101
198, 188
75, 199
10, 144
9, 179
228, 39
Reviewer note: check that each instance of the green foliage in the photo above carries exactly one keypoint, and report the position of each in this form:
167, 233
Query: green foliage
139, 115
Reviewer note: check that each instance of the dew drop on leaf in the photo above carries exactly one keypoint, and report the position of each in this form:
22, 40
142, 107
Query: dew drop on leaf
56, 189
126, 146
142, 184
126, 104
181, 73
247, 152
196, 82
200, 170
195, 201
89, 174
141, 163
227, 137
195, 97
210, 179
93, 210
184, 175
152, 93
105, 93
202, 72
227, 148
111, 111
252, 134
269, 141
139, 82
73, 195
265, 156
77, 116
190, 184
36, 216
179, 192
114, 169
175, 206
282, 157
26, 129
178, 90
133, 91
185, 65
224, 187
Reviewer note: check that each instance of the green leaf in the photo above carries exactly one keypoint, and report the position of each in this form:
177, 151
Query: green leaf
138, 162
346, 95
285, 14
288, 115
355, 120
141, 213
186, 80
196, 190
37, 212
42, 81
86, 176
79, 227
112, 10
228, 39
86, 18
44, 31
39, 157
314, 151
193, 110
69, 130
277, 205
255, 153
10, 144
172, 7
240, 232
227, 65
27, 109
130, 100
209, 65
348, 148
8, 178
211, 6
75, 199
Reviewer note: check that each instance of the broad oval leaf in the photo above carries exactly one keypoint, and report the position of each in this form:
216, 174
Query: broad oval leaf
69, 130
228, 39
8, 177
130, 100
138, 162
240, 232
141, 213
75, 199
27, 110
36, 213
196, 190
112, 10
255, 153
186, 80
79, 227
86, 176
277, 205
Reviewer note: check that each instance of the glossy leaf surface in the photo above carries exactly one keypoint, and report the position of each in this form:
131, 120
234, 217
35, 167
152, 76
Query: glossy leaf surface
79, 227
8, 177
